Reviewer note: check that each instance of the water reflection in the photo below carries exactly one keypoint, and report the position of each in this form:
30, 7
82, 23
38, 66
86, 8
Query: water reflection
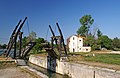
49, 73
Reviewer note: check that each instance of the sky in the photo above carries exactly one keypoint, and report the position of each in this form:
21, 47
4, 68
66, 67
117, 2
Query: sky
42, 13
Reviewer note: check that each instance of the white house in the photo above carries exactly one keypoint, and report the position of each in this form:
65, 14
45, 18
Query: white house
75, 44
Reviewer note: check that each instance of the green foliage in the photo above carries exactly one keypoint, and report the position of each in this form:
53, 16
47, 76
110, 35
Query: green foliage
86, 21
38, 47
92, 42
89, 41
82, 31
32, 36
116, 43
105, 58
24, 41
99, 33
96, 43
105, 42
101, 42
3, 46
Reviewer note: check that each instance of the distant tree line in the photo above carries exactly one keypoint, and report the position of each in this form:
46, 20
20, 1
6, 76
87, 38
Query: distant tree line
3, 46
30, 38
96, 40
33, 38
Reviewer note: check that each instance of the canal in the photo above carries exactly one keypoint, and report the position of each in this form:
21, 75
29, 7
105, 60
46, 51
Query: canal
49, 73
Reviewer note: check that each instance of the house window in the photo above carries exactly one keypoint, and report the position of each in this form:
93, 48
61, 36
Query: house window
73, 50
73, 38
80, 48
86, 49
79, 40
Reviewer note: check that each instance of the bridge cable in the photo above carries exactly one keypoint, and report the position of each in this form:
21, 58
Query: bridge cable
28, 27
47, 33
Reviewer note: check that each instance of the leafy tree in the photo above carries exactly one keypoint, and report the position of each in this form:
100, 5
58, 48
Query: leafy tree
92, 42
116, 43
32, 36
24, 41
86, 21
0, 46
4, 46
38, 47
105, 42
99, 33
82, 30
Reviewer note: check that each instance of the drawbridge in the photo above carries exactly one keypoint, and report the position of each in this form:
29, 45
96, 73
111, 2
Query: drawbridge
57, 48
13, 40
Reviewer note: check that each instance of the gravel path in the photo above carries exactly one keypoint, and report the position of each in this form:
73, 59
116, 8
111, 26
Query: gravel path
14, 72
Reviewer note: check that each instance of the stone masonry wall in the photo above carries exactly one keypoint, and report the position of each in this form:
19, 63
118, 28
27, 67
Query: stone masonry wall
74, 70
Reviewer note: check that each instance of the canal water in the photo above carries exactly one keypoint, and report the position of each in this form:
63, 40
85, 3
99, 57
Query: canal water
11, 52
49, 73
1, 51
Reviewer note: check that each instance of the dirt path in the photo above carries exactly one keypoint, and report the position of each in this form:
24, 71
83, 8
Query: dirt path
15, 72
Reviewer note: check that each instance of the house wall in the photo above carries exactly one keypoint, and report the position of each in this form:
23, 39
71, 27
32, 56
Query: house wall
72, 44
75, 44
86, 49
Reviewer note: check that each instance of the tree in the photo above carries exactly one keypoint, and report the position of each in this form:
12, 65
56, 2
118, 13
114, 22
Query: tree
86, 21
99, 33
82, 30
4, 46
92, 42
24, 41
105, 42
38, 47
116, 43
0, 46
32, 36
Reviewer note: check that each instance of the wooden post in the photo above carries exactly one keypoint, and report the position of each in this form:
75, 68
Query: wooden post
20, 38
94, 75
52, 44
14, 55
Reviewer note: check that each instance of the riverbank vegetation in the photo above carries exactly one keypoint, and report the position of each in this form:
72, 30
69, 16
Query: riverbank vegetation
94, 36
105, 58
33, 38
100, 57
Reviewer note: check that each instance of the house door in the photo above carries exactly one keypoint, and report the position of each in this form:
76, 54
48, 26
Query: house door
73, 50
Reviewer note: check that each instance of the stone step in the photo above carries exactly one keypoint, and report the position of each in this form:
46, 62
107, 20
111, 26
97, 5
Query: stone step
21, 62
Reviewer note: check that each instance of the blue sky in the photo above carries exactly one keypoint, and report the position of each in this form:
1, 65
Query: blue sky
67, 13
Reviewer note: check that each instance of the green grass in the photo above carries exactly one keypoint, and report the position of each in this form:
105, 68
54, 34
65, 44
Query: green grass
104, 58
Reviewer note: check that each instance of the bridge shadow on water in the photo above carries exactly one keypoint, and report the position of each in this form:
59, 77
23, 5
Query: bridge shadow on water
51, 63
49, 73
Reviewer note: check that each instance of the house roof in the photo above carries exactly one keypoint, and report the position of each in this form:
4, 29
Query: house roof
80, 36
76, 36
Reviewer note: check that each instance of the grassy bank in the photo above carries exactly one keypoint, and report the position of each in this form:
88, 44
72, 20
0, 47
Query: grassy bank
107, 58
96, 56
